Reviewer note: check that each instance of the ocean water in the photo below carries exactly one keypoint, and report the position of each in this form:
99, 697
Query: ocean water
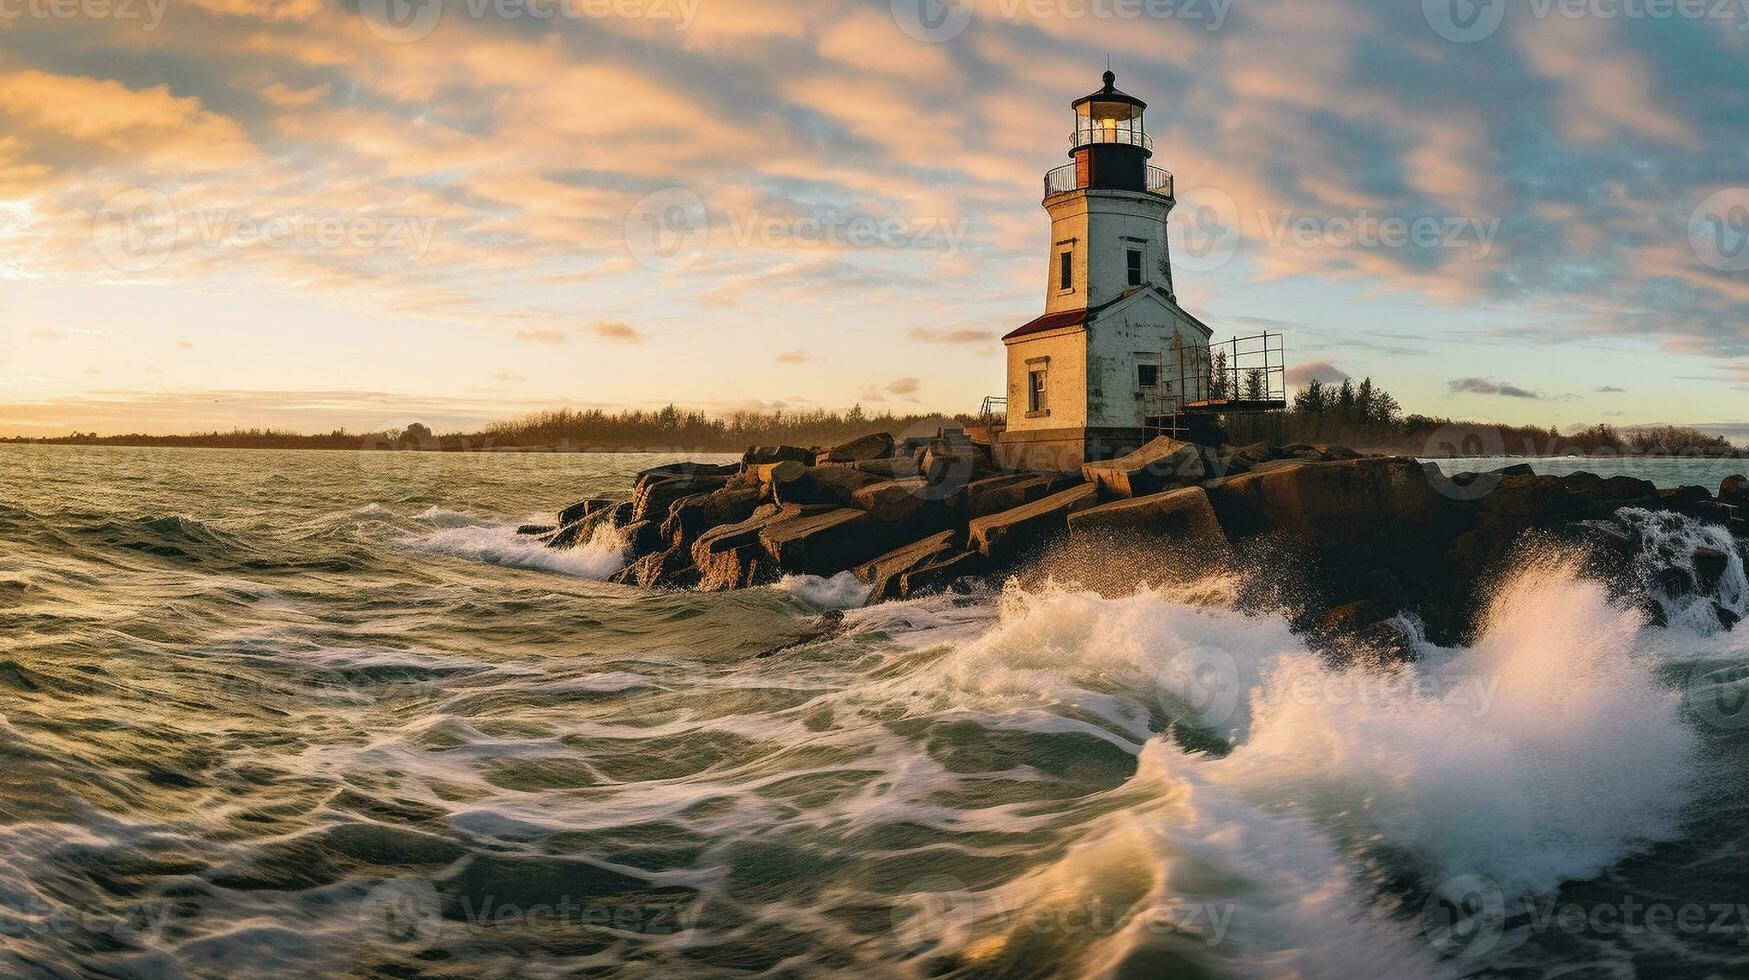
1665, 473
286, 714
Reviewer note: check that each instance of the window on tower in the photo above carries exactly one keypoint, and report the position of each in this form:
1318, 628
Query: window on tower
1147, 375
1066, 270
1036, 401
1135, 266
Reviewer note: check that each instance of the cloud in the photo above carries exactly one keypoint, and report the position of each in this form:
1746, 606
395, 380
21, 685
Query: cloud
544, 336
798, 356
1324, 371
617, 332
185, 345
48, 335
1611, 390
926, 336
903, 386
1482, 386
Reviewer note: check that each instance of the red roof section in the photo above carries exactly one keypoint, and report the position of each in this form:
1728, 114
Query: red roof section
1051, 321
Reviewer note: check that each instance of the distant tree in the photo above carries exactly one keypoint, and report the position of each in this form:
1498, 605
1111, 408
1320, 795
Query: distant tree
1256, 386
1218, 376
415, 436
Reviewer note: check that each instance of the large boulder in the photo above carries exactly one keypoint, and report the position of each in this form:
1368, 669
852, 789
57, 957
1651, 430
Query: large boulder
885, 574
583, 508
942, 572
730, 556
876, 445
670, 569
1011, 533
1329, 503
1162, 463
953, 464
728, 537
896, 468
824, 543
755, 455
1011, 490
1182, 514
652, 500
830, 484
1169, 536
1735, 491
893, 501
682, 470
776, 473
691, 516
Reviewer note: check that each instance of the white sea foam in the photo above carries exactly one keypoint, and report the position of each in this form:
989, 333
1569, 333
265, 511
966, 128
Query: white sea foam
841, 591
1548, 751
1671, 541
499, 544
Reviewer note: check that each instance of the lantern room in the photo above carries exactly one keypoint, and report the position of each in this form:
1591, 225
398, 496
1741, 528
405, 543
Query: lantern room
1110, 146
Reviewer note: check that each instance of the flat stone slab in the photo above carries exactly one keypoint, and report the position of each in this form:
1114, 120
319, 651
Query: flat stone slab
1162, 463
824, 543
884, 574
1004, 535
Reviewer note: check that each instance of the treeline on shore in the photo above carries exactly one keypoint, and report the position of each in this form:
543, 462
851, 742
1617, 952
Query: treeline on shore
1366, 416
1361, 415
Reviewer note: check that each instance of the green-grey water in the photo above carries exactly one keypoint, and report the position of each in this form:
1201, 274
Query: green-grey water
299, 714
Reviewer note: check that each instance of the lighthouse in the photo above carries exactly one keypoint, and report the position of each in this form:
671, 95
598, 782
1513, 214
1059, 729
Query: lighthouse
1092, 377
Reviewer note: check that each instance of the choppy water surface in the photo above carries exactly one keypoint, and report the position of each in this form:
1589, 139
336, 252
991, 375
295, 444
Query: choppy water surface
307, 714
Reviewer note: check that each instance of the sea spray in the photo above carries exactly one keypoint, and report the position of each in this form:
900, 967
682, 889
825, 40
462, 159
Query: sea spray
1668, 570
1548, 751
476, 539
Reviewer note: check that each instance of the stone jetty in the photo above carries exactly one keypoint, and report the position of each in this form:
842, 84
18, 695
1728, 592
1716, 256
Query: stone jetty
1346, 541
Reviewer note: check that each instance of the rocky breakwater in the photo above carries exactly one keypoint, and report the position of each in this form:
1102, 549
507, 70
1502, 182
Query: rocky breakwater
1344, 542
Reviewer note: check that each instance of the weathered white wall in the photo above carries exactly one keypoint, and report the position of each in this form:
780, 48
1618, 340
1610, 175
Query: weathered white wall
1101, 226
1145, 326
1067, 380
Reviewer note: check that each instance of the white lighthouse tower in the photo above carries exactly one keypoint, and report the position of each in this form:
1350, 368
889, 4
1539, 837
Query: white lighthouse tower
1085, 378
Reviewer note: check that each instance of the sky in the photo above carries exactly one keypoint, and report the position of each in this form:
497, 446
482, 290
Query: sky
310, 215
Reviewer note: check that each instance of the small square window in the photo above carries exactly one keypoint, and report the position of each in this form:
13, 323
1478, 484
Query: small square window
1135, 267
1066, 270
1148, 375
